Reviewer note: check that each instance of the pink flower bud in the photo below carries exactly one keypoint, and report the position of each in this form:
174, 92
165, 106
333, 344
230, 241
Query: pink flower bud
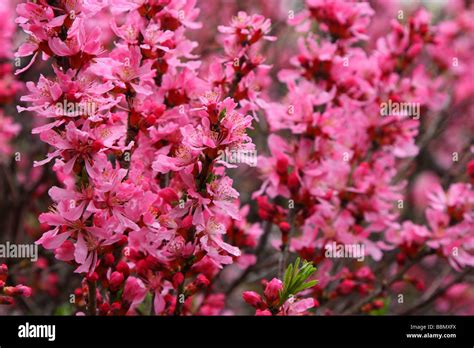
23, 290
253, 299
264, 312
19, 290
272, 291
116, 279
65, 252
202, 281
6, 300
365, 273
346, 286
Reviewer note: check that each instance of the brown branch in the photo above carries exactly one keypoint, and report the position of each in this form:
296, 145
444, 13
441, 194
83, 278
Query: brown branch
286, 246
385, 284
92, 298
425, 300
9, 180
258, 253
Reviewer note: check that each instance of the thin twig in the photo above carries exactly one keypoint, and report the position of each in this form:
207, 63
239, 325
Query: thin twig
380, 289
258, 253
92, 299
425, 300
286, 245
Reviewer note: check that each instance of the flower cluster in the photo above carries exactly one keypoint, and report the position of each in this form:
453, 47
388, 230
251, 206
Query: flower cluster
136, 138
8, 293
141, 111
9, 86
342, 184
8, 130
280, 297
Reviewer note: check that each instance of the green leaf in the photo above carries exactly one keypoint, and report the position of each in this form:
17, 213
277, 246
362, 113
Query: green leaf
295, 279
145, 306
288, 273
64, 309
308, 285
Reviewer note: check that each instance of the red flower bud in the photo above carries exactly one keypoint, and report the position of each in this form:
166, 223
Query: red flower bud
187, 222
284, 227
377, 304
123, 241
363, 289
178, 278
400, 258
293, 182
104, 308
109, 259
152, 262
9, 290
78, 292
420, 285
116, 279
367, 308
264, 204
282, 166
169, 195
254, 299
6, 300
92, 277
470, 170
141, 268
202, 282
272, 291
122, 267
97, 145
115, 307
19, 290
263, 214
346, 286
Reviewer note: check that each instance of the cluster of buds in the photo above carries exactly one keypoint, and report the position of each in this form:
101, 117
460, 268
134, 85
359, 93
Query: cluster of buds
280, 297
8, 293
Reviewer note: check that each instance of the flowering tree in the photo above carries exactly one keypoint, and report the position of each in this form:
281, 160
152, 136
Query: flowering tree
146, 124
